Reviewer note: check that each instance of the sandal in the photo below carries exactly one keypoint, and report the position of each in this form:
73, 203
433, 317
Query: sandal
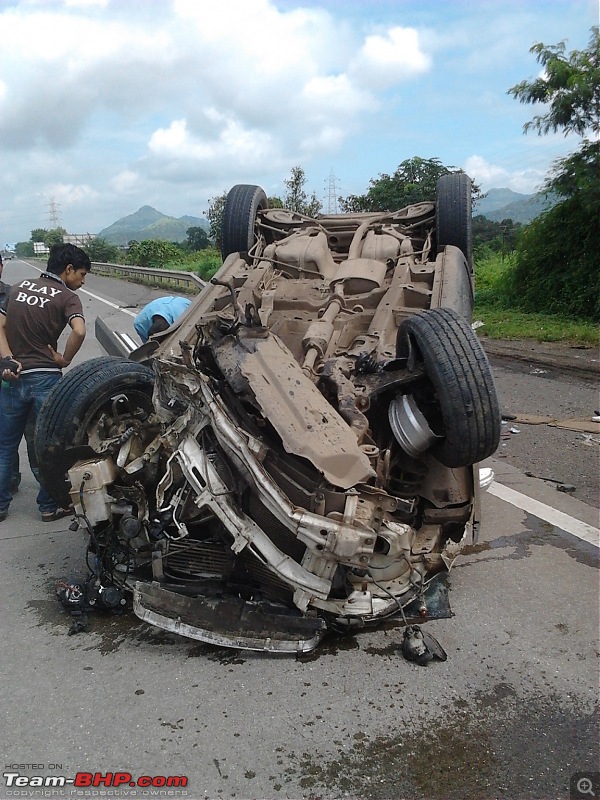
52, 516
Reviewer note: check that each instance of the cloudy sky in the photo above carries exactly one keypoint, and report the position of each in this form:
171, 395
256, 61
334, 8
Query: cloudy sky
108, 105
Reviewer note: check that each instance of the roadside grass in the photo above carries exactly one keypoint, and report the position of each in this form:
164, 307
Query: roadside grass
501, 324
203, 262
497, 309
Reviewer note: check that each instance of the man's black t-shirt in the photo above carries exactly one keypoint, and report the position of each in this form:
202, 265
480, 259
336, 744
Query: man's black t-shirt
36, 314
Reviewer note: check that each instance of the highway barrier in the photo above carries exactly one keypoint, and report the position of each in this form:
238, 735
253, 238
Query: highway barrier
184, 281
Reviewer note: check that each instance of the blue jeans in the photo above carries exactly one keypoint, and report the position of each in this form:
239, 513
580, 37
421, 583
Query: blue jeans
17, 399
15, 479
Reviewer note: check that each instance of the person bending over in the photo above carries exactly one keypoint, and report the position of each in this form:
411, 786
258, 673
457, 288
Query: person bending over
159, 315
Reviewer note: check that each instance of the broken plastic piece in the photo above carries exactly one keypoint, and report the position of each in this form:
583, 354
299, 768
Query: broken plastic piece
486, 476
565, 487
421, 647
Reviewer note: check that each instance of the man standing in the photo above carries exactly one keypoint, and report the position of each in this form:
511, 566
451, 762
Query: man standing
35, 315
30, 426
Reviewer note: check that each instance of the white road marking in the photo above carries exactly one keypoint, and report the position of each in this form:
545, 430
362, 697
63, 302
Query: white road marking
91, 294
540, 510
108, 303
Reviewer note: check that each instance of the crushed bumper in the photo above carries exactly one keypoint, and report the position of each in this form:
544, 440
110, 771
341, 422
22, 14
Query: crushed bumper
228, 621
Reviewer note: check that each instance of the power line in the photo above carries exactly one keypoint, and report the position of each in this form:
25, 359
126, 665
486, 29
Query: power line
332, 193
54, 213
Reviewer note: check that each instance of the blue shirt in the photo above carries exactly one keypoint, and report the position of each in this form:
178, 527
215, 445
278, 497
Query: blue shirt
170, 308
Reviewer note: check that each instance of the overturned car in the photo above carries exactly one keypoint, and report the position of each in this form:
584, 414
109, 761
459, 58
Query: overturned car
300, 451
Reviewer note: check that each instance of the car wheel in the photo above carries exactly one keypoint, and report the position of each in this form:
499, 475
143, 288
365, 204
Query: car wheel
453, 214
243, 203
463, 412
116, 389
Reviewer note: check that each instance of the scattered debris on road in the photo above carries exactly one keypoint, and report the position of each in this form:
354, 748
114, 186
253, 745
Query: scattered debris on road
421, 647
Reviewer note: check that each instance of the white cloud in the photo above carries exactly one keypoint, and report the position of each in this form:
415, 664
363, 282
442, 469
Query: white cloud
173, 138
384, 60
125, 182
183, 154
85, 3
272, 75
489, 175
170, 102
68, 194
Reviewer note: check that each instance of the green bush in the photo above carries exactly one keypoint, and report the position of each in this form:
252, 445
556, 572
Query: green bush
493, 278
24, 250
203, 262
556, 266
100, 250
499, 306
152, 253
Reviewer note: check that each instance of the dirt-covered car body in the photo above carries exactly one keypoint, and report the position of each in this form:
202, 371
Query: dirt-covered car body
299, 452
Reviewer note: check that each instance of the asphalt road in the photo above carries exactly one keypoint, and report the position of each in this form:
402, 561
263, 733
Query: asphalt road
511, 713
558, 456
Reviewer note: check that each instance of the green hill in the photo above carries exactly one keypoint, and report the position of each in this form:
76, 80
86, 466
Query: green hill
148, 223
499, 204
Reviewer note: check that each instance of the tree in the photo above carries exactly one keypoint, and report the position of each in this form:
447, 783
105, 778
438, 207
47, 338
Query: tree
152, 253
556, 267
296, 198
55, 236
216, 207
577, 176
39, 235
496, 237
98, 249
414, 181
24, 249
197, 239
570, 84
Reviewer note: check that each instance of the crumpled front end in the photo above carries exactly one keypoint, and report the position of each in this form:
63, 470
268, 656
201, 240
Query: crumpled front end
308, 459
272, 521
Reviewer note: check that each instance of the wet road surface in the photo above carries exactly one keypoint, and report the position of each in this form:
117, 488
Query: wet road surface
510, 714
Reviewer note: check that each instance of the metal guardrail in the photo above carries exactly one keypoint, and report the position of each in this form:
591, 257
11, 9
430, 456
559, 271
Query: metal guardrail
186, 281
113, 342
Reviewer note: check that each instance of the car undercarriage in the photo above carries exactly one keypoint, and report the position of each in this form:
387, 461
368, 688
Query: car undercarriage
300, 451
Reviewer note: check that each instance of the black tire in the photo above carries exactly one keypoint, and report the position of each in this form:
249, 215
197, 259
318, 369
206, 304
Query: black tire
466, 412
243, 203
71, 406
453, 214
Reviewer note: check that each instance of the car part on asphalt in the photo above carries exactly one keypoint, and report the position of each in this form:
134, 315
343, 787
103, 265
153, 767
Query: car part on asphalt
299, 453
421, 647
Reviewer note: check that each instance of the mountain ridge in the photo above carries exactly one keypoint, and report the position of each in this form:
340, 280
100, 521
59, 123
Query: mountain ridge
504, 203
148, 223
